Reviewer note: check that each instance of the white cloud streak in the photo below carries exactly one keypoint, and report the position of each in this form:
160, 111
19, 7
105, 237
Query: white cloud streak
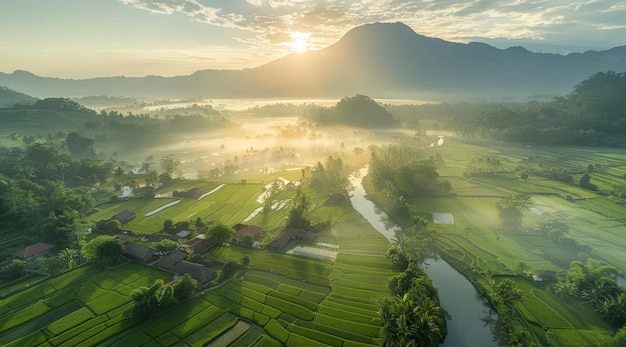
457, 20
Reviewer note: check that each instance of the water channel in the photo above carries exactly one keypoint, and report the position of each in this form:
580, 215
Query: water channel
470, 321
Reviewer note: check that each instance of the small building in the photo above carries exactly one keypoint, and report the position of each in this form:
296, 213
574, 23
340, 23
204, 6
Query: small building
124, 216
291, 234
199, 245
548, 275
183, 233
239, 226
253, 230
197, 271
168, 261
139, 252
33, 250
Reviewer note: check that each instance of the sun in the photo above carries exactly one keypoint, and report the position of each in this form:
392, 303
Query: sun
299, 41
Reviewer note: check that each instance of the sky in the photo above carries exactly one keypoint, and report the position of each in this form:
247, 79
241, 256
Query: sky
92, 38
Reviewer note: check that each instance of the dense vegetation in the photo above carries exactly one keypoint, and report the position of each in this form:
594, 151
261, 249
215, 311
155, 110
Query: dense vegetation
358, 111
593, 113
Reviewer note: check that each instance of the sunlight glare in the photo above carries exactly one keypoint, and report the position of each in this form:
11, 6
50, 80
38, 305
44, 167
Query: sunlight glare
299, 41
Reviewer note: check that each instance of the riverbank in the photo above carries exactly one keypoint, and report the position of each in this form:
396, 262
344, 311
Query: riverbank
465, 325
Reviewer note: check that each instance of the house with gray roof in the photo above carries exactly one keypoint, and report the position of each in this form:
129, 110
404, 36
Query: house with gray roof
139, 252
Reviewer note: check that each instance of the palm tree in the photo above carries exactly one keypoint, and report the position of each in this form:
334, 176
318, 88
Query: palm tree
614, 309
506, 292
410, 323
69, 257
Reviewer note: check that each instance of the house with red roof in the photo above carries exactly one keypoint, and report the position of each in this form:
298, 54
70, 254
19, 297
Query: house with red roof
33, 250
253, 230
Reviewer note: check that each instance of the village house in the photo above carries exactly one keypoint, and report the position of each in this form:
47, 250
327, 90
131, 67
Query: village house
139, 252
33, 251
168, 261
291, 234
197, 271
253, 230
124, 216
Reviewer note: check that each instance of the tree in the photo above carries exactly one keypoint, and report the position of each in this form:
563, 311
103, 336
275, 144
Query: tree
165, 245
585, 183
506, 292
147, 300
219, 233
247, 240
510, 210
185, 287
169, 165
151, 177
592, 275
79, 146
13, 270
300, 204
69, 256
228, 270
104, 248
408, 322
613, 309
246, 260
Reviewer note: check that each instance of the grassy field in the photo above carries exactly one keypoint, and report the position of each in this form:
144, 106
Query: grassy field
478, 245
231, 205
282, 299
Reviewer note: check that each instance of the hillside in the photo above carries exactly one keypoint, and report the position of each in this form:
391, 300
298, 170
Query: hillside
9, 97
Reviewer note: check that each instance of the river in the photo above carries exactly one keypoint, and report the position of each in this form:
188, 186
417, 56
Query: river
470, 321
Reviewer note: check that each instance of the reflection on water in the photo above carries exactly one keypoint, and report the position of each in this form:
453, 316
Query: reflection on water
471, 322
467, 326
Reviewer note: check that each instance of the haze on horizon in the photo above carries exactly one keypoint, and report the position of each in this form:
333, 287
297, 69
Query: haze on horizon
82, 39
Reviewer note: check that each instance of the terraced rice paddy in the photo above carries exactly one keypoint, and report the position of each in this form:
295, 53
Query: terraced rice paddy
477, 243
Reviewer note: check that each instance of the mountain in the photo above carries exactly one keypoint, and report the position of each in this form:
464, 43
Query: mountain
380, 60
9, 97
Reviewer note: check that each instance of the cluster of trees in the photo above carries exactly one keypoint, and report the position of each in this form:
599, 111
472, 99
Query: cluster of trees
148, 300
46, 194
397, 173
297, 217
413, 316
593, 283
484, 165
330, 177
511, 210
104, 248
359, 111
595, 108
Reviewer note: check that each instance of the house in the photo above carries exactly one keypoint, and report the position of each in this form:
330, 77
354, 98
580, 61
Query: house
548, 275
253, 230
124, 216
239, 226
139, 252
168, 261
199, 245
197, 271
33, 250
183, 233
291, 234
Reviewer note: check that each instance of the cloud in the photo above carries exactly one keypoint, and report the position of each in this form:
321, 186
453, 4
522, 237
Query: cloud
269, 21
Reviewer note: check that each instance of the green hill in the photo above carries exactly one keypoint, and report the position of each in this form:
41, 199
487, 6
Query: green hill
9, 97
359, 111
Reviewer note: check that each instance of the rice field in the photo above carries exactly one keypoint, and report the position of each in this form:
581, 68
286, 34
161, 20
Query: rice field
480, 247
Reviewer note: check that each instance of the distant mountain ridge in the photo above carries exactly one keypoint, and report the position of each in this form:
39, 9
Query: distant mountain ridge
379, 60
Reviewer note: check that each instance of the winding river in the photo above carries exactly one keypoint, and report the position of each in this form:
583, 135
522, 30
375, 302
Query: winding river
470, 322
